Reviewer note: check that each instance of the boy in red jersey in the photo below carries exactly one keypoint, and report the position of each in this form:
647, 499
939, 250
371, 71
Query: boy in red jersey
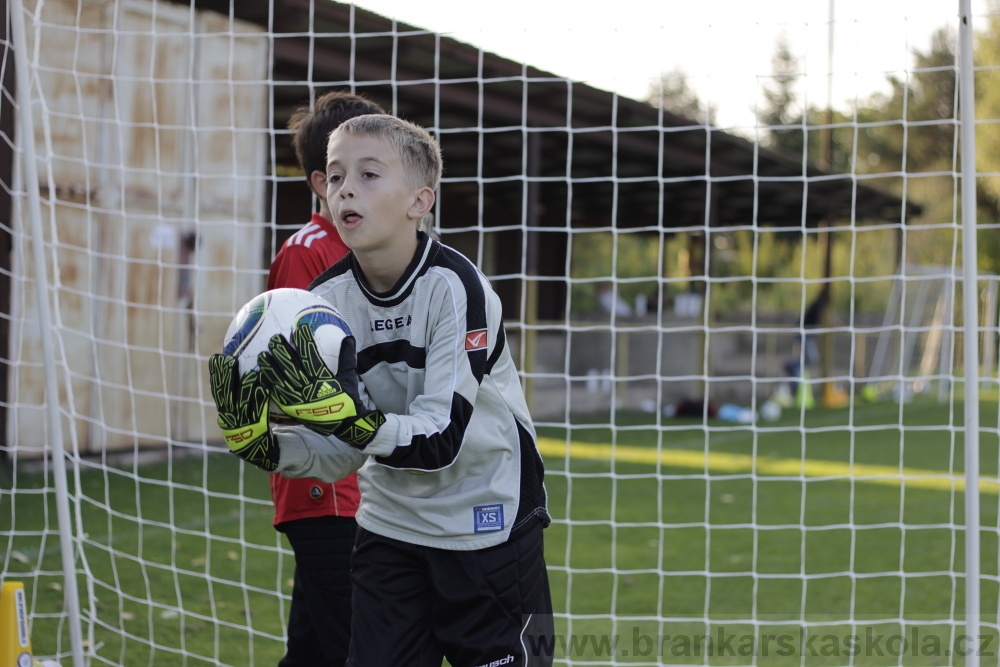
317, 517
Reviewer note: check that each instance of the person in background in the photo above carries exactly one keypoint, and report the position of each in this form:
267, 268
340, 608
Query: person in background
317, 517
806, 346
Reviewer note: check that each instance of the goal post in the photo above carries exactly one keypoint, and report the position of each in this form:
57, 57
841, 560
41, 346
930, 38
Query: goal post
913, 344
662, 269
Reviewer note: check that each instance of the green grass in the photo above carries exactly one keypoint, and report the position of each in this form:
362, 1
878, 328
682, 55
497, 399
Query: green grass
663, 534
765, 526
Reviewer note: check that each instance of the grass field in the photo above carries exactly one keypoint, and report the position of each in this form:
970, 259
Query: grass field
664, 535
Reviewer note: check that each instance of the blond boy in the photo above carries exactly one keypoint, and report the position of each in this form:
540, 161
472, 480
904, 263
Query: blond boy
448, 561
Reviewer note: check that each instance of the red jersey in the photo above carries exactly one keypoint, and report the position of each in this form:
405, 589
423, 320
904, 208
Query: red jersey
307, 253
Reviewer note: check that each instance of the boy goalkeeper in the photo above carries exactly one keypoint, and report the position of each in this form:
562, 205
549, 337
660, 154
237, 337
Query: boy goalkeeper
448, 559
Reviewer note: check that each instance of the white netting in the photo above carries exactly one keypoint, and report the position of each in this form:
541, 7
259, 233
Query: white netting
657, 264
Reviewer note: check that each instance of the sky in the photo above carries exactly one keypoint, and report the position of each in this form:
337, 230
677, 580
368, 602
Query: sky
723, 47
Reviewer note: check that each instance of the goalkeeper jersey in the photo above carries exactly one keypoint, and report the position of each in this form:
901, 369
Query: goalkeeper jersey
456, 465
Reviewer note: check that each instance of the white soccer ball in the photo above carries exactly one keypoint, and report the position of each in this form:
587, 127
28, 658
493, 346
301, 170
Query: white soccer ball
770, 411
280, 311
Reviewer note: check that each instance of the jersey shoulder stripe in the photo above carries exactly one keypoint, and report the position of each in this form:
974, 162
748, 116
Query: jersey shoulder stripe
475, 302
501, 343
469, 276
338, 269
306, 234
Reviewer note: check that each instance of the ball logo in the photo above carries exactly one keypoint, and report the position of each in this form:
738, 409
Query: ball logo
475, 340
488, 518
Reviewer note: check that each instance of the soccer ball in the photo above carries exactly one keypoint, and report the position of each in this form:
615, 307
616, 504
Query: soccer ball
280, 311
770, 411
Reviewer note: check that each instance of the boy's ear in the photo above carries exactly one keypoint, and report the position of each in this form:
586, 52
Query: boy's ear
423, 202
317, 180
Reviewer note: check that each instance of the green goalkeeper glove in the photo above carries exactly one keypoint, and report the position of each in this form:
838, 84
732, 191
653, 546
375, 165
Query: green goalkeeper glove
308, 391
243, 412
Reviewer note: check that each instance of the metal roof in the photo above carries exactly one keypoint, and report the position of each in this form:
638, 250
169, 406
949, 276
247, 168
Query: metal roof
503, 124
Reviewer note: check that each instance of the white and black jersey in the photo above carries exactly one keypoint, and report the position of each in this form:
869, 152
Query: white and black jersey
455, 466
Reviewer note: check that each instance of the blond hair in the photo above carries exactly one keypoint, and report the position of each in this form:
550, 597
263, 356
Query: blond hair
417, 149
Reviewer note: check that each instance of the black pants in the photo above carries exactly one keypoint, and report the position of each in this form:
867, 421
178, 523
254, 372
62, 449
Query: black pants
415, 605
319, 623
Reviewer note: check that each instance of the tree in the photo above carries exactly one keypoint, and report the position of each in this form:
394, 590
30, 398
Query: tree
780, 102
914, 129
673, 93
987, 58
869, 139
909, 136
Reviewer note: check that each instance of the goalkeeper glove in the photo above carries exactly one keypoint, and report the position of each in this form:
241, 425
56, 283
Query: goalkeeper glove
308, 391
243, 412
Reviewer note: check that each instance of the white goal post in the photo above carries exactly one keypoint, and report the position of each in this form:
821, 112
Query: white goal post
726, 465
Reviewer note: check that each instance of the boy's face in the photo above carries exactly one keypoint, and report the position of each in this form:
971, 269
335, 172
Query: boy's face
370, 197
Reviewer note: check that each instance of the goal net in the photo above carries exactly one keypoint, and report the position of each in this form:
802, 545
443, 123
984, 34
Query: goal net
740, 328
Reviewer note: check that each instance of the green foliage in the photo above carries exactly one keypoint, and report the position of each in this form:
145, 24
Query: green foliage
910, 130
627, 263
987, 78
926, 147
770, 268
913, 129
790, 276
987, 84
904, 141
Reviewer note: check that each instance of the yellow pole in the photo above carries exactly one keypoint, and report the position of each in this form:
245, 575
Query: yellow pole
15, 639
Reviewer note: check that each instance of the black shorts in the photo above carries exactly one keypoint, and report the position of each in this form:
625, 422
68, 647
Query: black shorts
415, 605
320, 617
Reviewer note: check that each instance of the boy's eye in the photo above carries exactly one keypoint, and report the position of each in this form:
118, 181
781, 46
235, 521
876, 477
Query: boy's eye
333, 178
369, 174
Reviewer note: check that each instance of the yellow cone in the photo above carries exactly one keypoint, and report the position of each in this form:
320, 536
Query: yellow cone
15, 640
804, 394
